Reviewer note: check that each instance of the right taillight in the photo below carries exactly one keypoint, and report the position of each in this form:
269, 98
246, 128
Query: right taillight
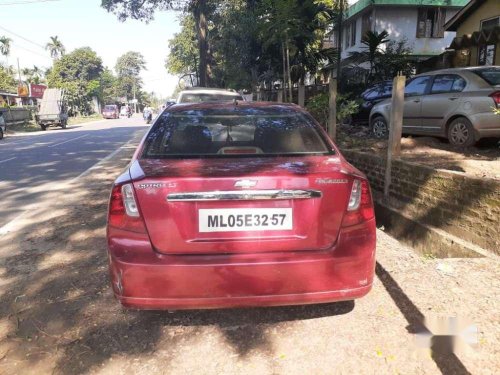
360, 206
496, 97
123, 210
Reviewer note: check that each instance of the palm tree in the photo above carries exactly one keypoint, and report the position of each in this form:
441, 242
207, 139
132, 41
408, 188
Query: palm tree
5, 47
373, 41
55, 47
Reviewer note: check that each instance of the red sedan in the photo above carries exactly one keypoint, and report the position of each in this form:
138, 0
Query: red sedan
239, 204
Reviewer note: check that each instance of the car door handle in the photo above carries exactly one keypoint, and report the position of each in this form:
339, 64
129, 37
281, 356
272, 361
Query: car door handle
452, 98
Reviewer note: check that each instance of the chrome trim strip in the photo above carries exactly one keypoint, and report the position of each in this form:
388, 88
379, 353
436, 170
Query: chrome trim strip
242, 195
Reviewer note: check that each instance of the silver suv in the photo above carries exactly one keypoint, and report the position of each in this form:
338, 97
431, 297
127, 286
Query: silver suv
457, 104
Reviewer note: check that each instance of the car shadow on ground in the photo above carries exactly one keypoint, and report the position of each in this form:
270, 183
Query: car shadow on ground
57, 311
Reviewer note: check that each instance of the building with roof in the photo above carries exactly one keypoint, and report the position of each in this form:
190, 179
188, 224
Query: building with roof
477, 40
420, 22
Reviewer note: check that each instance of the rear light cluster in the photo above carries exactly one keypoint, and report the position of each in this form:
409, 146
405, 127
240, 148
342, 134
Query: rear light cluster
123, 210
496, 98
360, 206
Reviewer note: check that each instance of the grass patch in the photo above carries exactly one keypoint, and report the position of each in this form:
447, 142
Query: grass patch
27, 127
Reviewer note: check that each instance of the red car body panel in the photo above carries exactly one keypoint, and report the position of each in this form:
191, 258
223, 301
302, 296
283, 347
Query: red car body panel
171, 264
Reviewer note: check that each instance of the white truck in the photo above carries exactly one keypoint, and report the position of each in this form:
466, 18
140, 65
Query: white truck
53, 110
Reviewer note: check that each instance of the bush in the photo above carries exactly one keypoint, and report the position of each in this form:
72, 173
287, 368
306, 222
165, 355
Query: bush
318, 107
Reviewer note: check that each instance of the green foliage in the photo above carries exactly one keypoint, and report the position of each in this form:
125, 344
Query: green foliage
55, 47
396, 58
128, 68
78, 73
7, 80
5, 45
183, 56
318, 106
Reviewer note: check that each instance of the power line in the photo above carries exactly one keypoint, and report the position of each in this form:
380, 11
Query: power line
27, 2
22, 37
28, 50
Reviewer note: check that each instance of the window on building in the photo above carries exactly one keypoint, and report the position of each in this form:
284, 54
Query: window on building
490, 24
366, 23
347, 38
430, 22
353, 33
486, 55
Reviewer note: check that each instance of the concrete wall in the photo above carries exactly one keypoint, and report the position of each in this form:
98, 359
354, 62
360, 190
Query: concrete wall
401, 22
466, 207
15, 115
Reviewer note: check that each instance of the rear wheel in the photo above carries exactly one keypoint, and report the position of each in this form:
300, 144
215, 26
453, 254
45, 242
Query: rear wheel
461, 132
379, 127
43, 126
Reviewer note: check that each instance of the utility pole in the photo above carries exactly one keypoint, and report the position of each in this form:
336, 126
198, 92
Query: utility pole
135, 102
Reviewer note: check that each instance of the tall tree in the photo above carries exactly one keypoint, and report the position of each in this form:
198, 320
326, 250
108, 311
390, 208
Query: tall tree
5, 44
79, 74
55, 47
128, 69
144, 10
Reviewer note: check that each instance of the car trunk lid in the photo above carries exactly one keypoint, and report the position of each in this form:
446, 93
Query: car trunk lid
213, 205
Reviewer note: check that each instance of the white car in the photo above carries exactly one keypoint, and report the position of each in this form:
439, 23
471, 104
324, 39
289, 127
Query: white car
203, 94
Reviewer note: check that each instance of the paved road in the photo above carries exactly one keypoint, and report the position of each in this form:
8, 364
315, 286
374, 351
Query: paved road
33, 167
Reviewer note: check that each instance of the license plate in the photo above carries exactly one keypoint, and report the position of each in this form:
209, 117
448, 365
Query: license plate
244, 219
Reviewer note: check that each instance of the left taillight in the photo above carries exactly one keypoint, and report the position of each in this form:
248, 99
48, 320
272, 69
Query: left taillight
496, 97
360, 206
124, 212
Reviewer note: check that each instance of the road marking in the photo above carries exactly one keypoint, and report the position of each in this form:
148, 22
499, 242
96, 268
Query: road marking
3, 161
69, 140
11, 225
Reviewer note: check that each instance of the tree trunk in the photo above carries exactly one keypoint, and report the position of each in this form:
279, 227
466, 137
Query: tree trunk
202, 31
289, 73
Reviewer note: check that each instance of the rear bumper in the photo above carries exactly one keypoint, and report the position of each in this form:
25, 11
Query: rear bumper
144, 279
486, 124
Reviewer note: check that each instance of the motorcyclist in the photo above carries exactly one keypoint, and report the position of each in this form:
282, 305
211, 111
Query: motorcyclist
148, 114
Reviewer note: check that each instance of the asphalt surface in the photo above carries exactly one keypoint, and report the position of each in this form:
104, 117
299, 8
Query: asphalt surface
37, 166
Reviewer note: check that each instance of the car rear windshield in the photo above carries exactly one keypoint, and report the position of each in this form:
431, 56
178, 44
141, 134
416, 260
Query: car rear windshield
109, 108
199, 98
490, 75
196, 133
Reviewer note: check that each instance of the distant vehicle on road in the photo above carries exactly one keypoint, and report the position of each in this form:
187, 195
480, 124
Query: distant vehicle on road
203, 94
111, 111
53, 110
457, 104
170, 102
125, 111
2, 125
230, 205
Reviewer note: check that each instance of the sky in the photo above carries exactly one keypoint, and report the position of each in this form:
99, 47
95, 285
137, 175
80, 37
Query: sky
82, 23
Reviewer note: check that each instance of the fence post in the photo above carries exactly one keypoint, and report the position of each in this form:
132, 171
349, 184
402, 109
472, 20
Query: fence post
332, 108
280, 96
395, 128
302, 95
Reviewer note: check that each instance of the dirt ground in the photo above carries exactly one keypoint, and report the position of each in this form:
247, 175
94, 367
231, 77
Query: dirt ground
58, 314
482, 160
